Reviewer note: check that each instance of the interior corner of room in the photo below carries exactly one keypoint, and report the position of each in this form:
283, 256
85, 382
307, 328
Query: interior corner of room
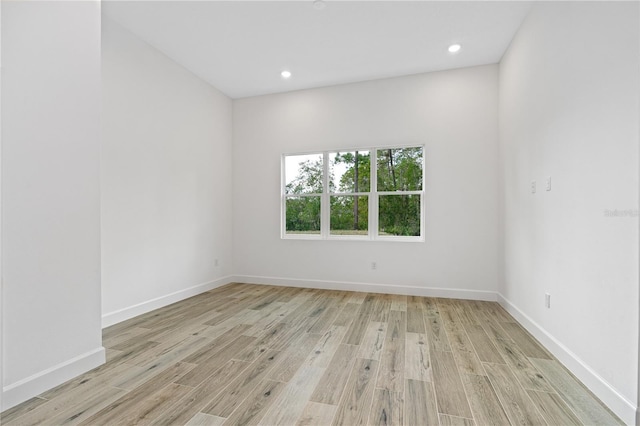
129, 182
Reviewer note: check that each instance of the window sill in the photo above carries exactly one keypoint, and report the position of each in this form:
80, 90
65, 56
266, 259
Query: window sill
354, 238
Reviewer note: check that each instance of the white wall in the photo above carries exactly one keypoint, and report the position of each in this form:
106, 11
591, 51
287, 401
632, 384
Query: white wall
166, 179
454, 113
1, 274
50, 195
569, 109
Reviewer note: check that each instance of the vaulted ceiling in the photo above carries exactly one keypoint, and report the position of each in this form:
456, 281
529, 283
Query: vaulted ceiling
241, 47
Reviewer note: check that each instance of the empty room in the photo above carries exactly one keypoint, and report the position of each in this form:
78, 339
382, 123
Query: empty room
319, 212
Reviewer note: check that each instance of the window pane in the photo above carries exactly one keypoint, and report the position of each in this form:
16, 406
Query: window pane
349, 215
303, 215
349, 171
400, 169
303, 174
399, 215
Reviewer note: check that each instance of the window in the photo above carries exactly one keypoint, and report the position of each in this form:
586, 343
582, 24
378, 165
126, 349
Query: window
304, 183
349, 182
363, 194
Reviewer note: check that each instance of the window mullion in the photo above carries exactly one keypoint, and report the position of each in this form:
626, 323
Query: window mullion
373, 198
325, 214
400, 193
350, 194
422, 195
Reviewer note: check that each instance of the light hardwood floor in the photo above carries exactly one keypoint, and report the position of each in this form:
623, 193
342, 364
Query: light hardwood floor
248, 354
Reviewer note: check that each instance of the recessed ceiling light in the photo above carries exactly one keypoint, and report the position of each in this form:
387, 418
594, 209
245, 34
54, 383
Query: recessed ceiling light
285, 74
319, 4
454, 48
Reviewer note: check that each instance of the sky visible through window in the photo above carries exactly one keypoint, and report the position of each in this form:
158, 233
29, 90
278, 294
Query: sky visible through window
292, 167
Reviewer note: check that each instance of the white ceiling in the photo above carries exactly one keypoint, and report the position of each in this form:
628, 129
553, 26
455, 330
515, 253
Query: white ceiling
240, 47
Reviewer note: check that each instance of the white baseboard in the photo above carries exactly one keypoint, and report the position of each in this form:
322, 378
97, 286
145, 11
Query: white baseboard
34, 385
120, 315
370, 288
621, 406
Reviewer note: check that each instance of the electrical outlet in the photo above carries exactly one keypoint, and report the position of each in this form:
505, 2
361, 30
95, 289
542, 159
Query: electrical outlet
547, 300
548, 182
374, 265
533, 186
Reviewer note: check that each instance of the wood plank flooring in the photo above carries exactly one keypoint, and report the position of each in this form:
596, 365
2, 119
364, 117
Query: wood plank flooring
249, 355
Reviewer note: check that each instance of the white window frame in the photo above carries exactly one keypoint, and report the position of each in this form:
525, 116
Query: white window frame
373, 200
